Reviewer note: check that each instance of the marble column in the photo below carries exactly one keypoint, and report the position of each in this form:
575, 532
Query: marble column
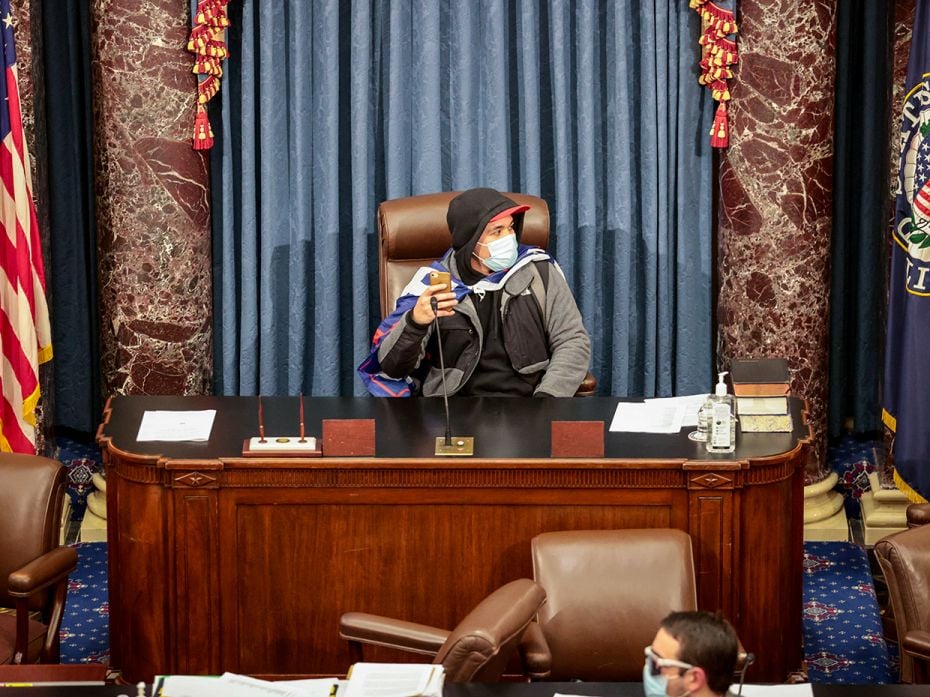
775, 199
152, 200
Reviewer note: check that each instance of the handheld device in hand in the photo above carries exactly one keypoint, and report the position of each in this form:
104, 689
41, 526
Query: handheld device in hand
440, 278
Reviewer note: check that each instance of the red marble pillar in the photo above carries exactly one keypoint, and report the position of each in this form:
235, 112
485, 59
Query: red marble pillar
152, 202
775, 198
901, 51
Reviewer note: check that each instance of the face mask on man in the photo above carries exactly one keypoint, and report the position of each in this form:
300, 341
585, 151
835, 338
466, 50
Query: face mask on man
655, 684
503, 253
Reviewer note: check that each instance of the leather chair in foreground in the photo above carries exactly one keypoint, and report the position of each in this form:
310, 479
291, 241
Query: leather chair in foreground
477, 650
905, 561
607, 591
34, 567
412, 232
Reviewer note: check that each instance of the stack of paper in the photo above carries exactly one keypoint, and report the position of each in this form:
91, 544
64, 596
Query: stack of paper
232, 685
394, 680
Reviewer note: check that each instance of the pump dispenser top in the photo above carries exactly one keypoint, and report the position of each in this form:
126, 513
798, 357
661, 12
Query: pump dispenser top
721, 389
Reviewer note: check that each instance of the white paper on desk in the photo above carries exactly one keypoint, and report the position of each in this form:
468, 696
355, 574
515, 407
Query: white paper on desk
176, 425
312, 687
395, 680
800, 690
691, 405
234, 685
188, 686
647, 417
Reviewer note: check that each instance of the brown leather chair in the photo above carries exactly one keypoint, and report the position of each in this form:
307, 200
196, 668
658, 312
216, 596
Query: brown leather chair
412, 232
35, 568
918, 514
607, 591
905, 561
477, 650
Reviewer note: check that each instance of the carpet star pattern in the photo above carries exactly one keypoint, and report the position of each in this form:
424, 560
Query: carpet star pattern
843, 640
84, 634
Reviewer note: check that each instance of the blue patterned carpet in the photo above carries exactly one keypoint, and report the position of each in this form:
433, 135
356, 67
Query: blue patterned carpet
843, 640
842, 634
85, 628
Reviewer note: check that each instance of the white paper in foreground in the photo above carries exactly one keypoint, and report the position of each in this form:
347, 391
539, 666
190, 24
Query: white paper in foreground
176, 425
647, 417
799, 690
233, 685
395, 680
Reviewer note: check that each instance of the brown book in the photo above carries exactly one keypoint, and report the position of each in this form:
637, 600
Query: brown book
761, 405
760, 377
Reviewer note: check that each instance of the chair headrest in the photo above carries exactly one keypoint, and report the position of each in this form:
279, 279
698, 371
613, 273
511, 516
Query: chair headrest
414, 228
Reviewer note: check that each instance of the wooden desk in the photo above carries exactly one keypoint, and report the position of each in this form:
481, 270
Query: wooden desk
223, 563
594, 689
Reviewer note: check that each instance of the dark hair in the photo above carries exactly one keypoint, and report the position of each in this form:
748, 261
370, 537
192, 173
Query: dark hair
707, 641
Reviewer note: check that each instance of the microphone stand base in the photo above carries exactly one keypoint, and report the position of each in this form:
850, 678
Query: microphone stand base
460, 446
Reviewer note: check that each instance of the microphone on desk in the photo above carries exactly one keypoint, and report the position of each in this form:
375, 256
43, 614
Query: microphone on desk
748, 660
460, 445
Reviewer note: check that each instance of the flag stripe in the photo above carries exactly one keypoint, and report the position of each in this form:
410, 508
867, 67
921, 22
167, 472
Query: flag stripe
25, 333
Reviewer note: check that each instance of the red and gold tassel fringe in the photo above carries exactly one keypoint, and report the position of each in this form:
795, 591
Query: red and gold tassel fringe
207, 42
203, 133
718, 54
720, 131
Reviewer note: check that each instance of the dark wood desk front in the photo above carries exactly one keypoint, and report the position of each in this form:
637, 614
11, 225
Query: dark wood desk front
218, 562
594, 689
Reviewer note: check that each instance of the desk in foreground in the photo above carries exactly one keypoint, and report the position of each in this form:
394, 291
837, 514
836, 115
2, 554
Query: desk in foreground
218, 562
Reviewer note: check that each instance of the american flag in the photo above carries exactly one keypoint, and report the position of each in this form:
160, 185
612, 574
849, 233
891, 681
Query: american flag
25, 335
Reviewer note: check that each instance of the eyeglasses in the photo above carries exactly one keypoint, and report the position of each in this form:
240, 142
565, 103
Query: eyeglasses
656, 663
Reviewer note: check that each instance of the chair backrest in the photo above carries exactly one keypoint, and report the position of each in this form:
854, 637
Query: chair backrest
607, 591
479, 647
31, 498
412, 232
905, 560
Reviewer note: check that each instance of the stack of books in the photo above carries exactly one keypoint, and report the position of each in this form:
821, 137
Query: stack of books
761, 387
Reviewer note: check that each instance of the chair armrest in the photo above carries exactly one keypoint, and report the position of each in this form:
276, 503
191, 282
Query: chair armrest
50, 568
917, 644
917, 514
588, 386
534, 650
394, 634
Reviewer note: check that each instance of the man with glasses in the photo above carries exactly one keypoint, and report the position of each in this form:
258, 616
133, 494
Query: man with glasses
509, 324
693, 653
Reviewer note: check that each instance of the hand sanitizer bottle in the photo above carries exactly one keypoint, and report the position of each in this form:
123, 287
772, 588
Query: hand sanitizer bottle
721, 437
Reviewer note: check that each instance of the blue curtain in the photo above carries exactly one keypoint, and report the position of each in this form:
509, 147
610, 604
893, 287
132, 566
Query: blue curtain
329, 107
861, 206
71, 268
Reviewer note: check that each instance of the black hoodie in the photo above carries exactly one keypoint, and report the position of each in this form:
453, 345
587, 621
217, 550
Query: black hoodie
469, 214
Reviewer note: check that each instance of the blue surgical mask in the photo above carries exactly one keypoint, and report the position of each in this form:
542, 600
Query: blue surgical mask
654, 685
503, 253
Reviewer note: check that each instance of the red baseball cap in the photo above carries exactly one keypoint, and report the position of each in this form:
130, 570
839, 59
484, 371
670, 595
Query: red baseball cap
509, 211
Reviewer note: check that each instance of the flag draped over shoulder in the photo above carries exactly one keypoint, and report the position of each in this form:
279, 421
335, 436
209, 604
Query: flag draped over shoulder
25, 335
906, 398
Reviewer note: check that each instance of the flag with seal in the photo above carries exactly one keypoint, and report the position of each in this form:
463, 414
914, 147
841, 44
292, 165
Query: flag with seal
906, 390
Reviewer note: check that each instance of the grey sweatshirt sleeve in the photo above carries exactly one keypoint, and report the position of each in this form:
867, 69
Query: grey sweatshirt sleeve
569, 343
403, 348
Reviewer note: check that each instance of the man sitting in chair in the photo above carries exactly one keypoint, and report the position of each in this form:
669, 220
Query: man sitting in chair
509, 323
693, 653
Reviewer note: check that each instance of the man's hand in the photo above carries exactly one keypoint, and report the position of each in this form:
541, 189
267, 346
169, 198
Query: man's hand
422, 313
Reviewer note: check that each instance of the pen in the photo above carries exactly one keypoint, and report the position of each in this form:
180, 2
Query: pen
302, 439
